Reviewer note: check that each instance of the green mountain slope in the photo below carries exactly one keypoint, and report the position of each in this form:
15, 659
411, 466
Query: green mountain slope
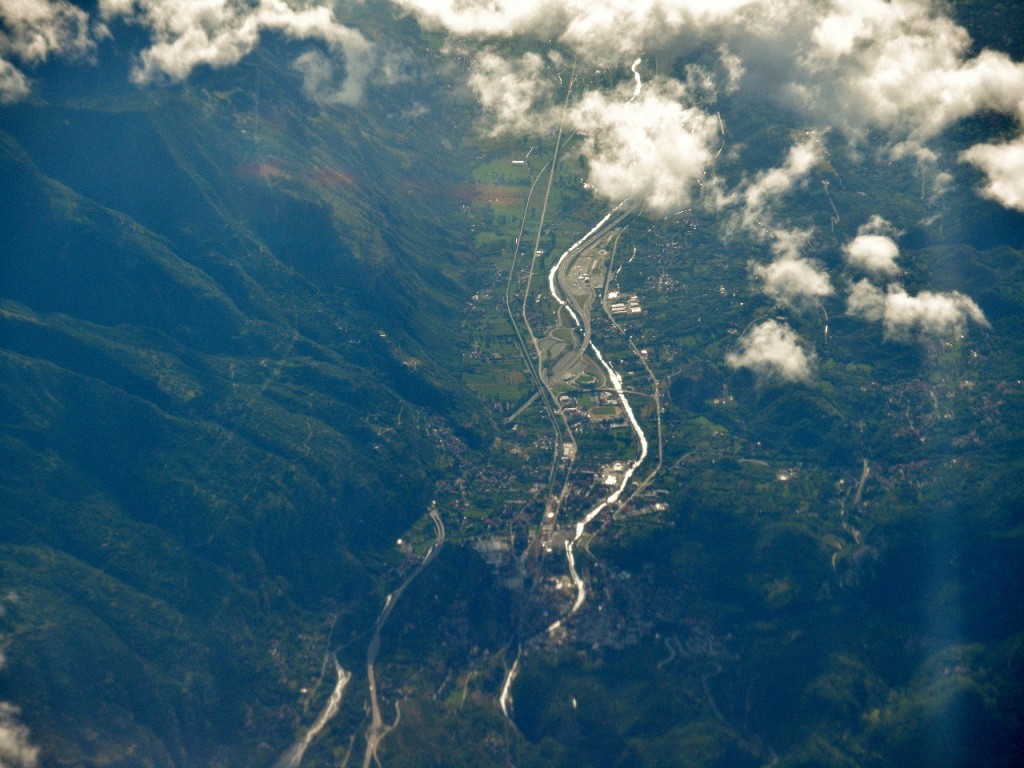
245, 342
221, 374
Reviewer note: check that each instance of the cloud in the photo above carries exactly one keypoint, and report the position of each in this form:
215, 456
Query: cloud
13, 83
757, 198
599, 31
510, 91
860, 66
489, 19
855, 65
789, 242
16, 751
185, 34
1003, 164
653, 147
649, 143
878, 225
392, 67
873, 250
794, 282
870, 62
217, 33
873, 253
866, 301
734, 68
900, 66
934, 314
759, 195
773, 350
31, 31
322, 82
623, 27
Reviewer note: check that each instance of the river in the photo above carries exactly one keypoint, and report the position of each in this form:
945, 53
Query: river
616, 382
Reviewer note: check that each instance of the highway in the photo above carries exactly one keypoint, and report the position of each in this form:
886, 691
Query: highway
578, 305
376, 730
559, 276
559, 356
655, 384
559, 423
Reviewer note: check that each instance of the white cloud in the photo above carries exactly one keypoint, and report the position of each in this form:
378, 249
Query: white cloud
773, 350
896, 67
500, 18
858, 65
759, 195
13, 83
392, 67
873, 250
878, 225
622, 27
900, 65
322, 82
935, 314
897, 64
31, 31
794, 282
16, 750
595, 30
734, 68
866, 300
651, 145
189, 33
789, 242
873, 253
654, 147
185, 34
899, 68
757, 198
1004, 166
511, 91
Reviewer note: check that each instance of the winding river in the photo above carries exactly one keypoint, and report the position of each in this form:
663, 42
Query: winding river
292, 756
616, 382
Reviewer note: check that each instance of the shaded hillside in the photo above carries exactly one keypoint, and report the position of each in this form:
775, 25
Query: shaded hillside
220, 327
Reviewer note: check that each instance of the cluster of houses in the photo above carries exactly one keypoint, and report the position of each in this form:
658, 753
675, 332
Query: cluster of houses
629, 305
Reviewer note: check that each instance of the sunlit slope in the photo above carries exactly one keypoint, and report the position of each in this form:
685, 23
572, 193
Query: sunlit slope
222, 339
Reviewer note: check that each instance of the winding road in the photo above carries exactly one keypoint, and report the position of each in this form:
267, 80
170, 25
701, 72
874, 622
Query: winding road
377, 730
549, 364
581, 315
